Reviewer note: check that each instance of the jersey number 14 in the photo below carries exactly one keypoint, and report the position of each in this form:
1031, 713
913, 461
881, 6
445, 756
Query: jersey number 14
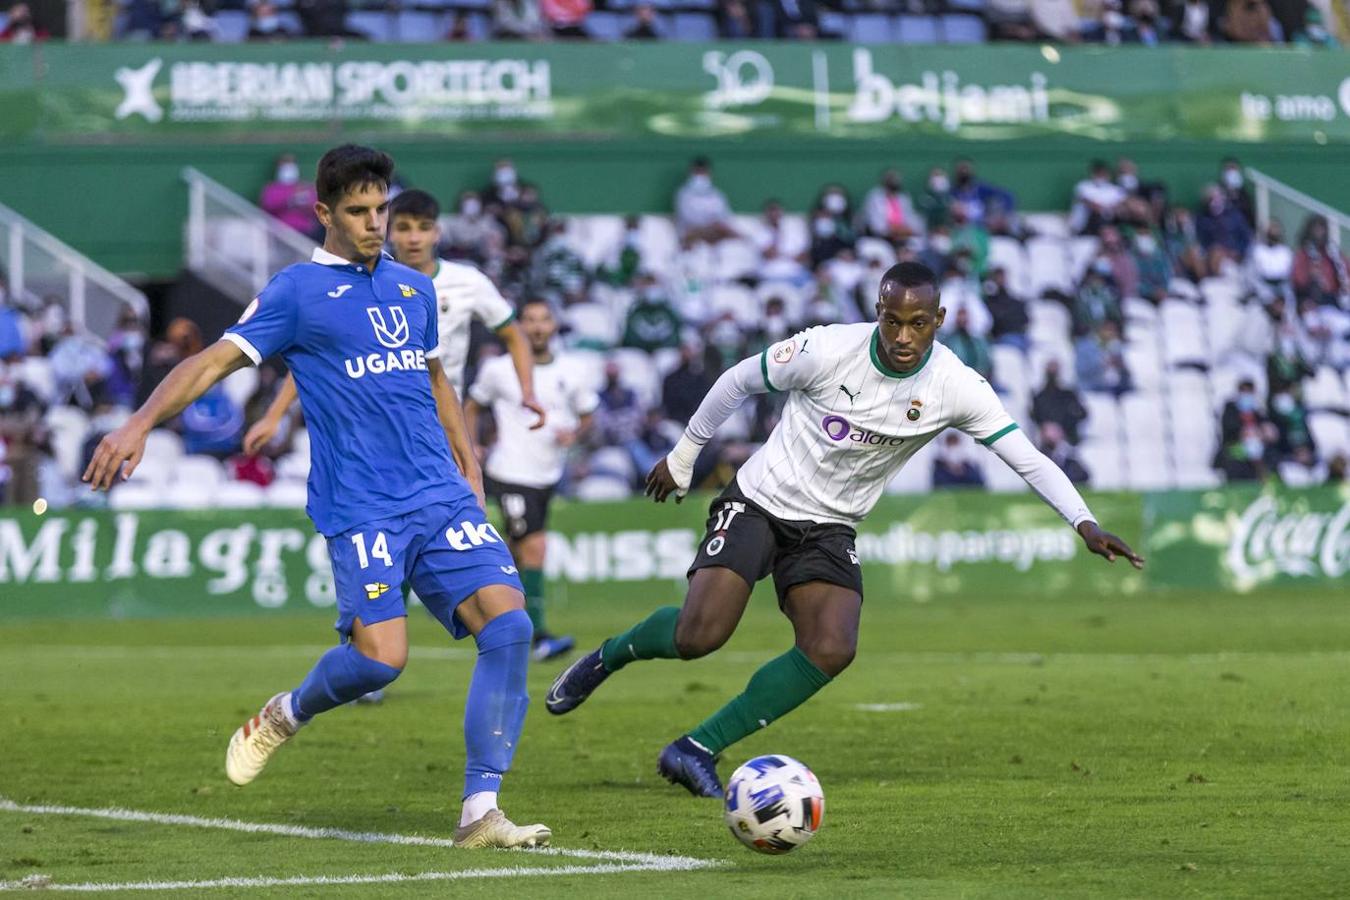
378, 549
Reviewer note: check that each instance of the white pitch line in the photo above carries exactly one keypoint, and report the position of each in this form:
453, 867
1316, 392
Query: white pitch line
651, 861
887, 707
43, 884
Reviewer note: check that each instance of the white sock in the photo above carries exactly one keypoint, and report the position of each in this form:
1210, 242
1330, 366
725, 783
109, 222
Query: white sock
476, 806
288, 709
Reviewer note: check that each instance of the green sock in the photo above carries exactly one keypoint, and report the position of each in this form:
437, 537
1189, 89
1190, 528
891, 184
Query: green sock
533, 582
652, 638
776, 689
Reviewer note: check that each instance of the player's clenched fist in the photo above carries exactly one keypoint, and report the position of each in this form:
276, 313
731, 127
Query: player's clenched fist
124, 445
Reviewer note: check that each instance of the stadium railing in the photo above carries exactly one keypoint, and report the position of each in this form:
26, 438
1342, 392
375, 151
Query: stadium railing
231, 243
1277, 200
42, 266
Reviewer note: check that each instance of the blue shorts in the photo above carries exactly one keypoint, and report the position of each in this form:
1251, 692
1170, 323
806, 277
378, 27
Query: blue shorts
446, 552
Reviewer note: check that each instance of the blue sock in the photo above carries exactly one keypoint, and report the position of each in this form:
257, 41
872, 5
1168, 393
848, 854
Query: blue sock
340, 676
495, 712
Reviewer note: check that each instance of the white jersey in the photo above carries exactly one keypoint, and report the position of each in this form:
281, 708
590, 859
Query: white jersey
523, 456
463, 292
850, 424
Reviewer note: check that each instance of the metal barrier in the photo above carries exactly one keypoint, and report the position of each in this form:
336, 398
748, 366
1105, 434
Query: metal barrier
1277, 200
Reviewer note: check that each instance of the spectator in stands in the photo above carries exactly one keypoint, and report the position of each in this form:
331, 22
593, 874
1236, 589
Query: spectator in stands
1055, 403
1150, 28
1183, 245
655, 439
526, 221
517, 20
459, 32
1314, 32
1056, 445
20, 27
1270, 265
624, 262
1097, 300
618, 418
471, 234
49, 325
734, 22
774, 325
1008, 314
144, 20
1193, 22
684, 388
1124, 268
264, 23
646, 25
20, 436
1234, 185
1247, 436
1100, 360
1302, 469
795, 19
193, 22
846, 273
887, 211
504, 187
181, 339
1289, 415
566, 18
952, 466
1321, 272
326, 18
559, 271
1286, 364
1153, 267
971, 238
960, 291
702, 213
212, 424
126, 354
1338, 467
652, 322
971, 349
1057, 20
936, 252
1222, 230
986, 204
1246, 22
291, 201
13, 323
835, 200
784, 248
79, 366
1097, 200
1327, 333
830, 236
935, 202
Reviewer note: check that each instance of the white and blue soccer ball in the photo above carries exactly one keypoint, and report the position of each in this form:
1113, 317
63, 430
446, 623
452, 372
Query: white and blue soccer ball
774, 804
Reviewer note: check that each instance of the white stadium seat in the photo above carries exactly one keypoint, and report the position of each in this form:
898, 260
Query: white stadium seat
135, 495
70, 429
239, 495
286, 493
1082, 251
1103, 422
1324, 391
1048, 264
602, 487
240, 385
1104, 462
1330, 432
1049, 225
1012, 257
198, 471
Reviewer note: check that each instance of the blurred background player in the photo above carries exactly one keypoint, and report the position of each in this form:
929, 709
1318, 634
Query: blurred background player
864, 398
394, 485
525, 463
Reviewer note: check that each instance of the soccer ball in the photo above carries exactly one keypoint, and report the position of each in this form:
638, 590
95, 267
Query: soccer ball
774, 804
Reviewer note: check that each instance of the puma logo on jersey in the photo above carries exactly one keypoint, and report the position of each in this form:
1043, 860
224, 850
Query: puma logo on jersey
852, 395
339, 290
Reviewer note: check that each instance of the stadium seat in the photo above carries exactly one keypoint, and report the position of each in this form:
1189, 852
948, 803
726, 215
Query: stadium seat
240, 385
1010, 371
1048, 265
1183, 334
1103, 420
917, 475
190, 495
602, 25
735, 259
693, 26
163, 448
916, 30
134, 495
638, 371
602, 487
1325, 392
1008, 254
613, 462
1105, 463
869, 248
1141, 417
1082, 250
658, 243
286, 493
293, 465
231, 26
1330, 432
378, 26
69, 429
420, 27
1047, 225
197, 471
591, 326
1138, 312
239, 495
963, 30
1148, 467
870, 28
598, 237
833, 24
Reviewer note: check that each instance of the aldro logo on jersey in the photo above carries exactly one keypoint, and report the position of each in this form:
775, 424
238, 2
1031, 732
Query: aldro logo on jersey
837, 428
390, 324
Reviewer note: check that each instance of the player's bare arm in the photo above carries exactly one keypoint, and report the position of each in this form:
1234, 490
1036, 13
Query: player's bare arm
263, 430
522, 359
189, 380
456, 427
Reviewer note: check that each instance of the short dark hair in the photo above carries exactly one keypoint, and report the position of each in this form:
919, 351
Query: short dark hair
418, 204
534, 301
351, 166
910, 275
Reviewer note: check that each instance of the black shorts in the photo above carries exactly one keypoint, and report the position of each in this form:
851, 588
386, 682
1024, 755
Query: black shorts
753, 543
524, 508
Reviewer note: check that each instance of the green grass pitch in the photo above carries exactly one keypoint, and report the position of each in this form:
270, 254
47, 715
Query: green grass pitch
1164, 745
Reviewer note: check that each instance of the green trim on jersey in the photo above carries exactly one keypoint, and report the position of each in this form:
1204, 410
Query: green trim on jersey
876, 359
504, 322
998, 434
764, 370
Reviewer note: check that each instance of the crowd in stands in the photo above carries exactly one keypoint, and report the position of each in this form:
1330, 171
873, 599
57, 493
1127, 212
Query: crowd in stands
1136, 332
1311, 23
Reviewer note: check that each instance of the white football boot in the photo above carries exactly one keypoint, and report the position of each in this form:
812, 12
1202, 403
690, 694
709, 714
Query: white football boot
496, 830
256, 740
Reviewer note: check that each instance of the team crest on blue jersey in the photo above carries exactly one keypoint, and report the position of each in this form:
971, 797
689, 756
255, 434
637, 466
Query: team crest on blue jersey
407, 289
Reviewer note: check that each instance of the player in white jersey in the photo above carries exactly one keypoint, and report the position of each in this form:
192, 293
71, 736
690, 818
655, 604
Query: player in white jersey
525, 464
863, 399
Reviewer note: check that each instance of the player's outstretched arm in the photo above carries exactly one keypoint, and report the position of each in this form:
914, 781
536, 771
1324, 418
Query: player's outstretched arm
456, 428
263, 430
189, 380
1054, 487
523, 362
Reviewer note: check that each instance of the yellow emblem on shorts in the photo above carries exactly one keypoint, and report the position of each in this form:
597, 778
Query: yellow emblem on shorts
375, 589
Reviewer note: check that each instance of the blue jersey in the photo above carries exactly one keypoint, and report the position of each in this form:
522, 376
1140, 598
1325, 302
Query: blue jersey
356, 341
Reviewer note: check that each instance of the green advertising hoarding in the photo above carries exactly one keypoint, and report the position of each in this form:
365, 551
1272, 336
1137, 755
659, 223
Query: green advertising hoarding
912, 549
308, 91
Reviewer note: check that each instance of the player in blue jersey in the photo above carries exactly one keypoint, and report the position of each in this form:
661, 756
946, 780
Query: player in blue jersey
393, 485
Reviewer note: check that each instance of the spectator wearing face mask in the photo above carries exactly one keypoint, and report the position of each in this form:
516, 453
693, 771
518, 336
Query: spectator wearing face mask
784, 247
1289, 415
566, 18
702, 213
126, 349
1055, 403
952, 465
1247, 437
79, 365
1222, 230
935, 201
960, 291
970, 236
646, 25
264, 23
835, 201
559, 271
1193, 22
291, 201
1100, 360
1150, 28
1124, 269
13, 323
471, 234
1327, 332
1270, 264
1321, 272
888, 213
1008, 314
1097, 300
992, 207
624, 262
20, 28
1154, 268
1234, 185
1097, 200
1182, 244
652, 322
829, 237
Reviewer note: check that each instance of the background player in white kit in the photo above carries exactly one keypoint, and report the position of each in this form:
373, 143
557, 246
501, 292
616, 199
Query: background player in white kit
864, 399
524, 465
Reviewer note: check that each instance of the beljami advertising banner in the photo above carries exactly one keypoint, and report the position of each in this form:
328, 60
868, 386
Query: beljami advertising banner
196, 92
912, 549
